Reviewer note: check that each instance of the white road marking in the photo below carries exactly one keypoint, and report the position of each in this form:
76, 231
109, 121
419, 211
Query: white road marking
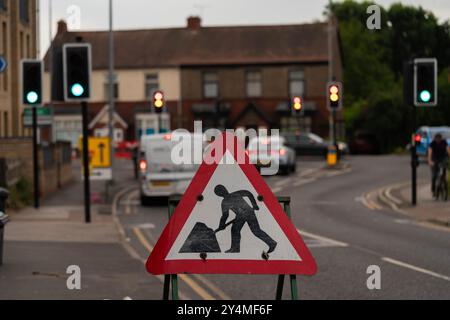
392, 198
141, 226
276, 189
306, 172
282, 182
303, 181
324, 239
128, 200
418, 269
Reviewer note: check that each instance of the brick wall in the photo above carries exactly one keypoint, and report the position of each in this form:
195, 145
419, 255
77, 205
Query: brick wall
54, 172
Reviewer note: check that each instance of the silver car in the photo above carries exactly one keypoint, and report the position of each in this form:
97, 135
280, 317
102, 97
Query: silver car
269, 151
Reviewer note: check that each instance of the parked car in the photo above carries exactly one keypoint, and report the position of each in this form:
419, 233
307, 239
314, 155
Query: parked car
160, 177
364, 143
307, 144
425, 135
277, 152
311, 144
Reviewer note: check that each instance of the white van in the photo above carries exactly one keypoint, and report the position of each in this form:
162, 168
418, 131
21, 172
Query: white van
160, 177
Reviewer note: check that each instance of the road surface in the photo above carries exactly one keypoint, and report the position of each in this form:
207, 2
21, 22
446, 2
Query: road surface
344, 235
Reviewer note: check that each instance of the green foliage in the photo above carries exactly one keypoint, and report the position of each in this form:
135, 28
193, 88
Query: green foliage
20, 195
373, 68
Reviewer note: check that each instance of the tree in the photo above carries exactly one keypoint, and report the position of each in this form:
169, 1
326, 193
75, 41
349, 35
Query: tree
373, 68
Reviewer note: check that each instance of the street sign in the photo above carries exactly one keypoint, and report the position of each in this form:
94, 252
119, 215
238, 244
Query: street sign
3, 64
44, 116
229, 222
100, 174
99, 152
99, 158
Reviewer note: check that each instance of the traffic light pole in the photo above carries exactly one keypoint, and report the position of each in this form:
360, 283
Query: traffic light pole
414, 161
35, 160
87, 187
333, 114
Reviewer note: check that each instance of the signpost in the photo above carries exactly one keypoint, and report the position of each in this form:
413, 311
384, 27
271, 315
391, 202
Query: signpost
77, 68
229, 222
420, 90
44, 116
31, 78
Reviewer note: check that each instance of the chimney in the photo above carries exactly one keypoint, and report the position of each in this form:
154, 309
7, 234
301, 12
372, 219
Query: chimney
194, 23
62, 27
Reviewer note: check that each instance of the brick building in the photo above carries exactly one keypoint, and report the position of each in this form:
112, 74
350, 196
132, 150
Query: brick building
18, 34
240, 76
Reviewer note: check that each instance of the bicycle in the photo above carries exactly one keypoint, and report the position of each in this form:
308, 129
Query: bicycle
441, 182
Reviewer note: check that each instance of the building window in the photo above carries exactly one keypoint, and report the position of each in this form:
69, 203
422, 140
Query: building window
24, 12
151, 85
68, 129
116, 87
210, 85
28, 46
3, 6
291, 124
297, 83
21, 44
5, 124
253, 84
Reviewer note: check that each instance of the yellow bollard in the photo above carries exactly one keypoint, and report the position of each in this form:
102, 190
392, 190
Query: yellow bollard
332, 156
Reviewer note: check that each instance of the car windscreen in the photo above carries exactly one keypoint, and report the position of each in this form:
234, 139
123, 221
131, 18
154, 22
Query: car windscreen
444, 132
159, 157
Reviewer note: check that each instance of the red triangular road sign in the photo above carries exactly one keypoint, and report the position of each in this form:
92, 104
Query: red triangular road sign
193, 229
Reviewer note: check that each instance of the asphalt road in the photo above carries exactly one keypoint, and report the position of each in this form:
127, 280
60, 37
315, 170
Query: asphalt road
344, 236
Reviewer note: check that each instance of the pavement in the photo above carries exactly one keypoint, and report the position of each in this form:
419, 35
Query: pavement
397, 197
41, 244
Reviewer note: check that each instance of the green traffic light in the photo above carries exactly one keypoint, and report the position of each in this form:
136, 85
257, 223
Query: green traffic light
77, 90
32, 97
425, 96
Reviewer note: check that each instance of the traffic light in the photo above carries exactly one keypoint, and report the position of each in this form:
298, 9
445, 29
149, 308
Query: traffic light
77, 71
334, 91
297, 104
32, 71
158, 101
425, 82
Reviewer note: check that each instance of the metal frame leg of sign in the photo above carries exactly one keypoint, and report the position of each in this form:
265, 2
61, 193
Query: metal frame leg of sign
286, 201
171, 280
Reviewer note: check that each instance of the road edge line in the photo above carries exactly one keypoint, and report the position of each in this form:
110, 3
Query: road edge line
417, 269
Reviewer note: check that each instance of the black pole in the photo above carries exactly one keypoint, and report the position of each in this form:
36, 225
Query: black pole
35, 159
333, 113
414, 160
87, 191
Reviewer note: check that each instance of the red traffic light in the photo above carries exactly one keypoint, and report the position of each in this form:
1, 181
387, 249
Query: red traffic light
334, 89
417, 138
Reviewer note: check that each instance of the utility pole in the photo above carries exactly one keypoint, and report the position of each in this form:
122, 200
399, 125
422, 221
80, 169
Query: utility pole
331, 76
111, 88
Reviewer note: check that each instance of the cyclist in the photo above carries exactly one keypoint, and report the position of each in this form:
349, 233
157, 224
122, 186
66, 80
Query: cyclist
438, 152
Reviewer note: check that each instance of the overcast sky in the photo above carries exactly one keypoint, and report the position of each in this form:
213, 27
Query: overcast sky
134, 14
